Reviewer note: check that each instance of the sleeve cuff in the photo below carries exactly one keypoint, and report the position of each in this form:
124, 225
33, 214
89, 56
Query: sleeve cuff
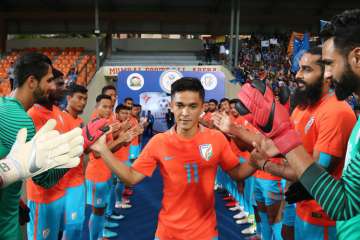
311, 175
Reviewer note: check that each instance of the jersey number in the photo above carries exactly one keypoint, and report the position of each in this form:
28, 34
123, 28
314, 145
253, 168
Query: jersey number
192, 172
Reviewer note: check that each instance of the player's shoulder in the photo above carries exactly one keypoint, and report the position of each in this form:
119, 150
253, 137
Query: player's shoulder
336, 108
12, 111
212, 134
160, 138
38, 111
8, 103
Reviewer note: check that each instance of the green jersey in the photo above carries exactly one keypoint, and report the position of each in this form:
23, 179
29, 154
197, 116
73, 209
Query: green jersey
340, 198
13, 117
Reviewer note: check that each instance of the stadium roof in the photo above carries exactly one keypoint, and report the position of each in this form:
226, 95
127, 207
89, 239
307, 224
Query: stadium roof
166, 16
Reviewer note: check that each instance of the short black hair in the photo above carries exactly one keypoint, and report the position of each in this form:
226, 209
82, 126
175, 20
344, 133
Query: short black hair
76, 88
137, 105
32, 63
224, 100
108, 87
234, 101
101, 97
121, 107
128, 99
188, 84
213, 101
57, 73
317, 51
345, 28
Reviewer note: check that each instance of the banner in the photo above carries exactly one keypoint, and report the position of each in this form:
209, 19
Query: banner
300, 46
265, 43
152, 89
274, 41
293, 36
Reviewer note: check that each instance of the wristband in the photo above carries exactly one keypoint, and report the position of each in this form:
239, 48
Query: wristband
263, 167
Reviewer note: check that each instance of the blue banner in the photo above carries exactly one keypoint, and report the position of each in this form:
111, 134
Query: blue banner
300, 47
151, 89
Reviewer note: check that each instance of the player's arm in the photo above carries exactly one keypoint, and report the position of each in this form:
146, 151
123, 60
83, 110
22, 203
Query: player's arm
230, 162
241, 171
242, 137
338, 198
325, 160
127, 174
116, 144
126, 137
284, 170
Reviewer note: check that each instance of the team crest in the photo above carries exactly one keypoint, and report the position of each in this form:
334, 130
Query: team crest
206, 151
309, 124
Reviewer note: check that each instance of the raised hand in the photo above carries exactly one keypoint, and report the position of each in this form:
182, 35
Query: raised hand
223, 122
115, 126
47, 149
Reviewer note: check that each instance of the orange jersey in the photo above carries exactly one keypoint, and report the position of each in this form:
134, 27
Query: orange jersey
97, 170
75, 176
40, 115
122, 154
133, 122
188, 168
324, 128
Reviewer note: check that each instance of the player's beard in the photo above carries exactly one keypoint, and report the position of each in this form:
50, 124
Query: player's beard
42, 98
310, 95
348, 83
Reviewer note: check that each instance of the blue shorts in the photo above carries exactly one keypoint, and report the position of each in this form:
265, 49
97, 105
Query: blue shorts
134, 151
75, 205
98, 193
305, 230
46, 219
289, 214
249, 200
268, 191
